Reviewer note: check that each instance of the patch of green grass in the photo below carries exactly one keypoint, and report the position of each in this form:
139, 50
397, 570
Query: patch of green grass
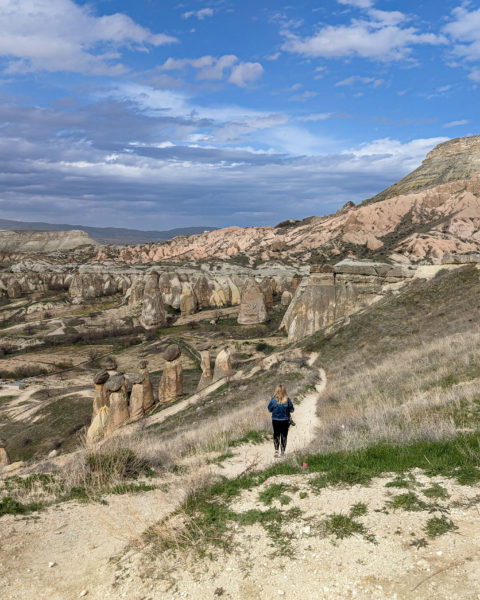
436, 491
358, 510
276, 491
251, 437
343, 526
401, 481
9, 506
302, 495
408, 501
437, 526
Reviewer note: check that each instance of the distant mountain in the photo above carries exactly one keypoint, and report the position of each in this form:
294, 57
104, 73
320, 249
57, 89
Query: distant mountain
106, 235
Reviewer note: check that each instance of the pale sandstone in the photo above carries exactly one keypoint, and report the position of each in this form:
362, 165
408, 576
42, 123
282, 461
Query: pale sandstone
252, 304
206, 366
223, 365
4, 458
171, 383
153, 313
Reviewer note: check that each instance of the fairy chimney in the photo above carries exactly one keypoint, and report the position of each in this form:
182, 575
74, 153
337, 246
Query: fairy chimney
252, 304
223, 365
136, 409
171, 384
153, 313
206, 366
118, 404
100, 397
148, 399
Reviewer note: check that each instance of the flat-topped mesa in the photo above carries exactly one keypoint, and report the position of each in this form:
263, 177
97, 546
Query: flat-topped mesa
332, 292
43, 242
455, 160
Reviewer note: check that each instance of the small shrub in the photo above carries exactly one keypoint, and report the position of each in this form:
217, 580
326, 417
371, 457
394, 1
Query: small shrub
276, 491
358, 510
343, 526
118, 464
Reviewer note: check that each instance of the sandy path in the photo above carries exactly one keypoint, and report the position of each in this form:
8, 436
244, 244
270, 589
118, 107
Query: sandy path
260, 456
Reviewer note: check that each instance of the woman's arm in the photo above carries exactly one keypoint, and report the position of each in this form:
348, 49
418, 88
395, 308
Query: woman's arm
290, 405
271, 405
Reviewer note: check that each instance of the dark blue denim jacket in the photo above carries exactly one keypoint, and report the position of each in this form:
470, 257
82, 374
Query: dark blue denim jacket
280, 412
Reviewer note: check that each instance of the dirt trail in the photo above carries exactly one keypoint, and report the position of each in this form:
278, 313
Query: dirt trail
82, 540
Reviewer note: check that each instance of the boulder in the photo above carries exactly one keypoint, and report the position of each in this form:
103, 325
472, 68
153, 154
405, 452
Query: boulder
153, 313
252, 304
115, 383
172, 352
171, 384
110, 364
4, 458
223, 365
206, 366
101, 377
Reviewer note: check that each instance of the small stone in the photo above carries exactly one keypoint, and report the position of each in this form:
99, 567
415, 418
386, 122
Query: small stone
280, 592
52, 564
83, 593
439, 553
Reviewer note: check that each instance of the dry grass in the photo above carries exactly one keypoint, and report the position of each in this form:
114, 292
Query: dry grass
429, 392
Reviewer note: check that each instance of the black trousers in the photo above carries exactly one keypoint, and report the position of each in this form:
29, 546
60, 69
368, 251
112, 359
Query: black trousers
280, 434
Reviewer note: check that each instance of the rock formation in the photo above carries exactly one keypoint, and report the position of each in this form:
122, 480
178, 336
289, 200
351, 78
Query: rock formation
118, 413
206, 366
171, 383
4, 458
100, 397
286, 298
136, 404
148, 399
223, 365
153, 313
333, 292
97, 430
252, 304
14, 289
188, 301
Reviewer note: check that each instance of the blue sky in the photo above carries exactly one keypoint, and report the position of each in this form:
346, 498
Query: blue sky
157, 114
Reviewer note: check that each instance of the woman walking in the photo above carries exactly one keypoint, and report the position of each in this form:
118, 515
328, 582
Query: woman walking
280, 406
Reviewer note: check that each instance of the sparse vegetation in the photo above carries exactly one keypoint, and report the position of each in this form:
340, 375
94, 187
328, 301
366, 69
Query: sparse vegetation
437, 526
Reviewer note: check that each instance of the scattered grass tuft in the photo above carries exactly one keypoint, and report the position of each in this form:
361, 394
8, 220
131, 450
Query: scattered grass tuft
438, 526
408, 501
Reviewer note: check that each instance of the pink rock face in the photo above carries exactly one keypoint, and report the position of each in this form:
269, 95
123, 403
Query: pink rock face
449, 214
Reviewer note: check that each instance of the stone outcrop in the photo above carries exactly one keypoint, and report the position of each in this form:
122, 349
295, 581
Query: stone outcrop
206, 366
4, 458
252, 304
153, 313
171, 383
14, 289
223, 365
334, 292
97, 430
118, 413
100, 397
136, 403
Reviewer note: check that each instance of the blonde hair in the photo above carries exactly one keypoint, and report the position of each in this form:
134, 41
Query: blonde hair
280, 394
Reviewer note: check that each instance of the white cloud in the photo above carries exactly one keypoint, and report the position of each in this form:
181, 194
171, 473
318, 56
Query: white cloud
245, 73
381, 38
465, 30
304, 96
59, 35
357, 3
199, 14
316, 117
210, 67
475, 75
456, 123
358, 79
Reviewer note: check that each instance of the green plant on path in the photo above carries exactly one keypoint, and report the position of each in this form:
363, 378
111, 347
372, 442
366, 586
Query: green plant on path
437, 526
